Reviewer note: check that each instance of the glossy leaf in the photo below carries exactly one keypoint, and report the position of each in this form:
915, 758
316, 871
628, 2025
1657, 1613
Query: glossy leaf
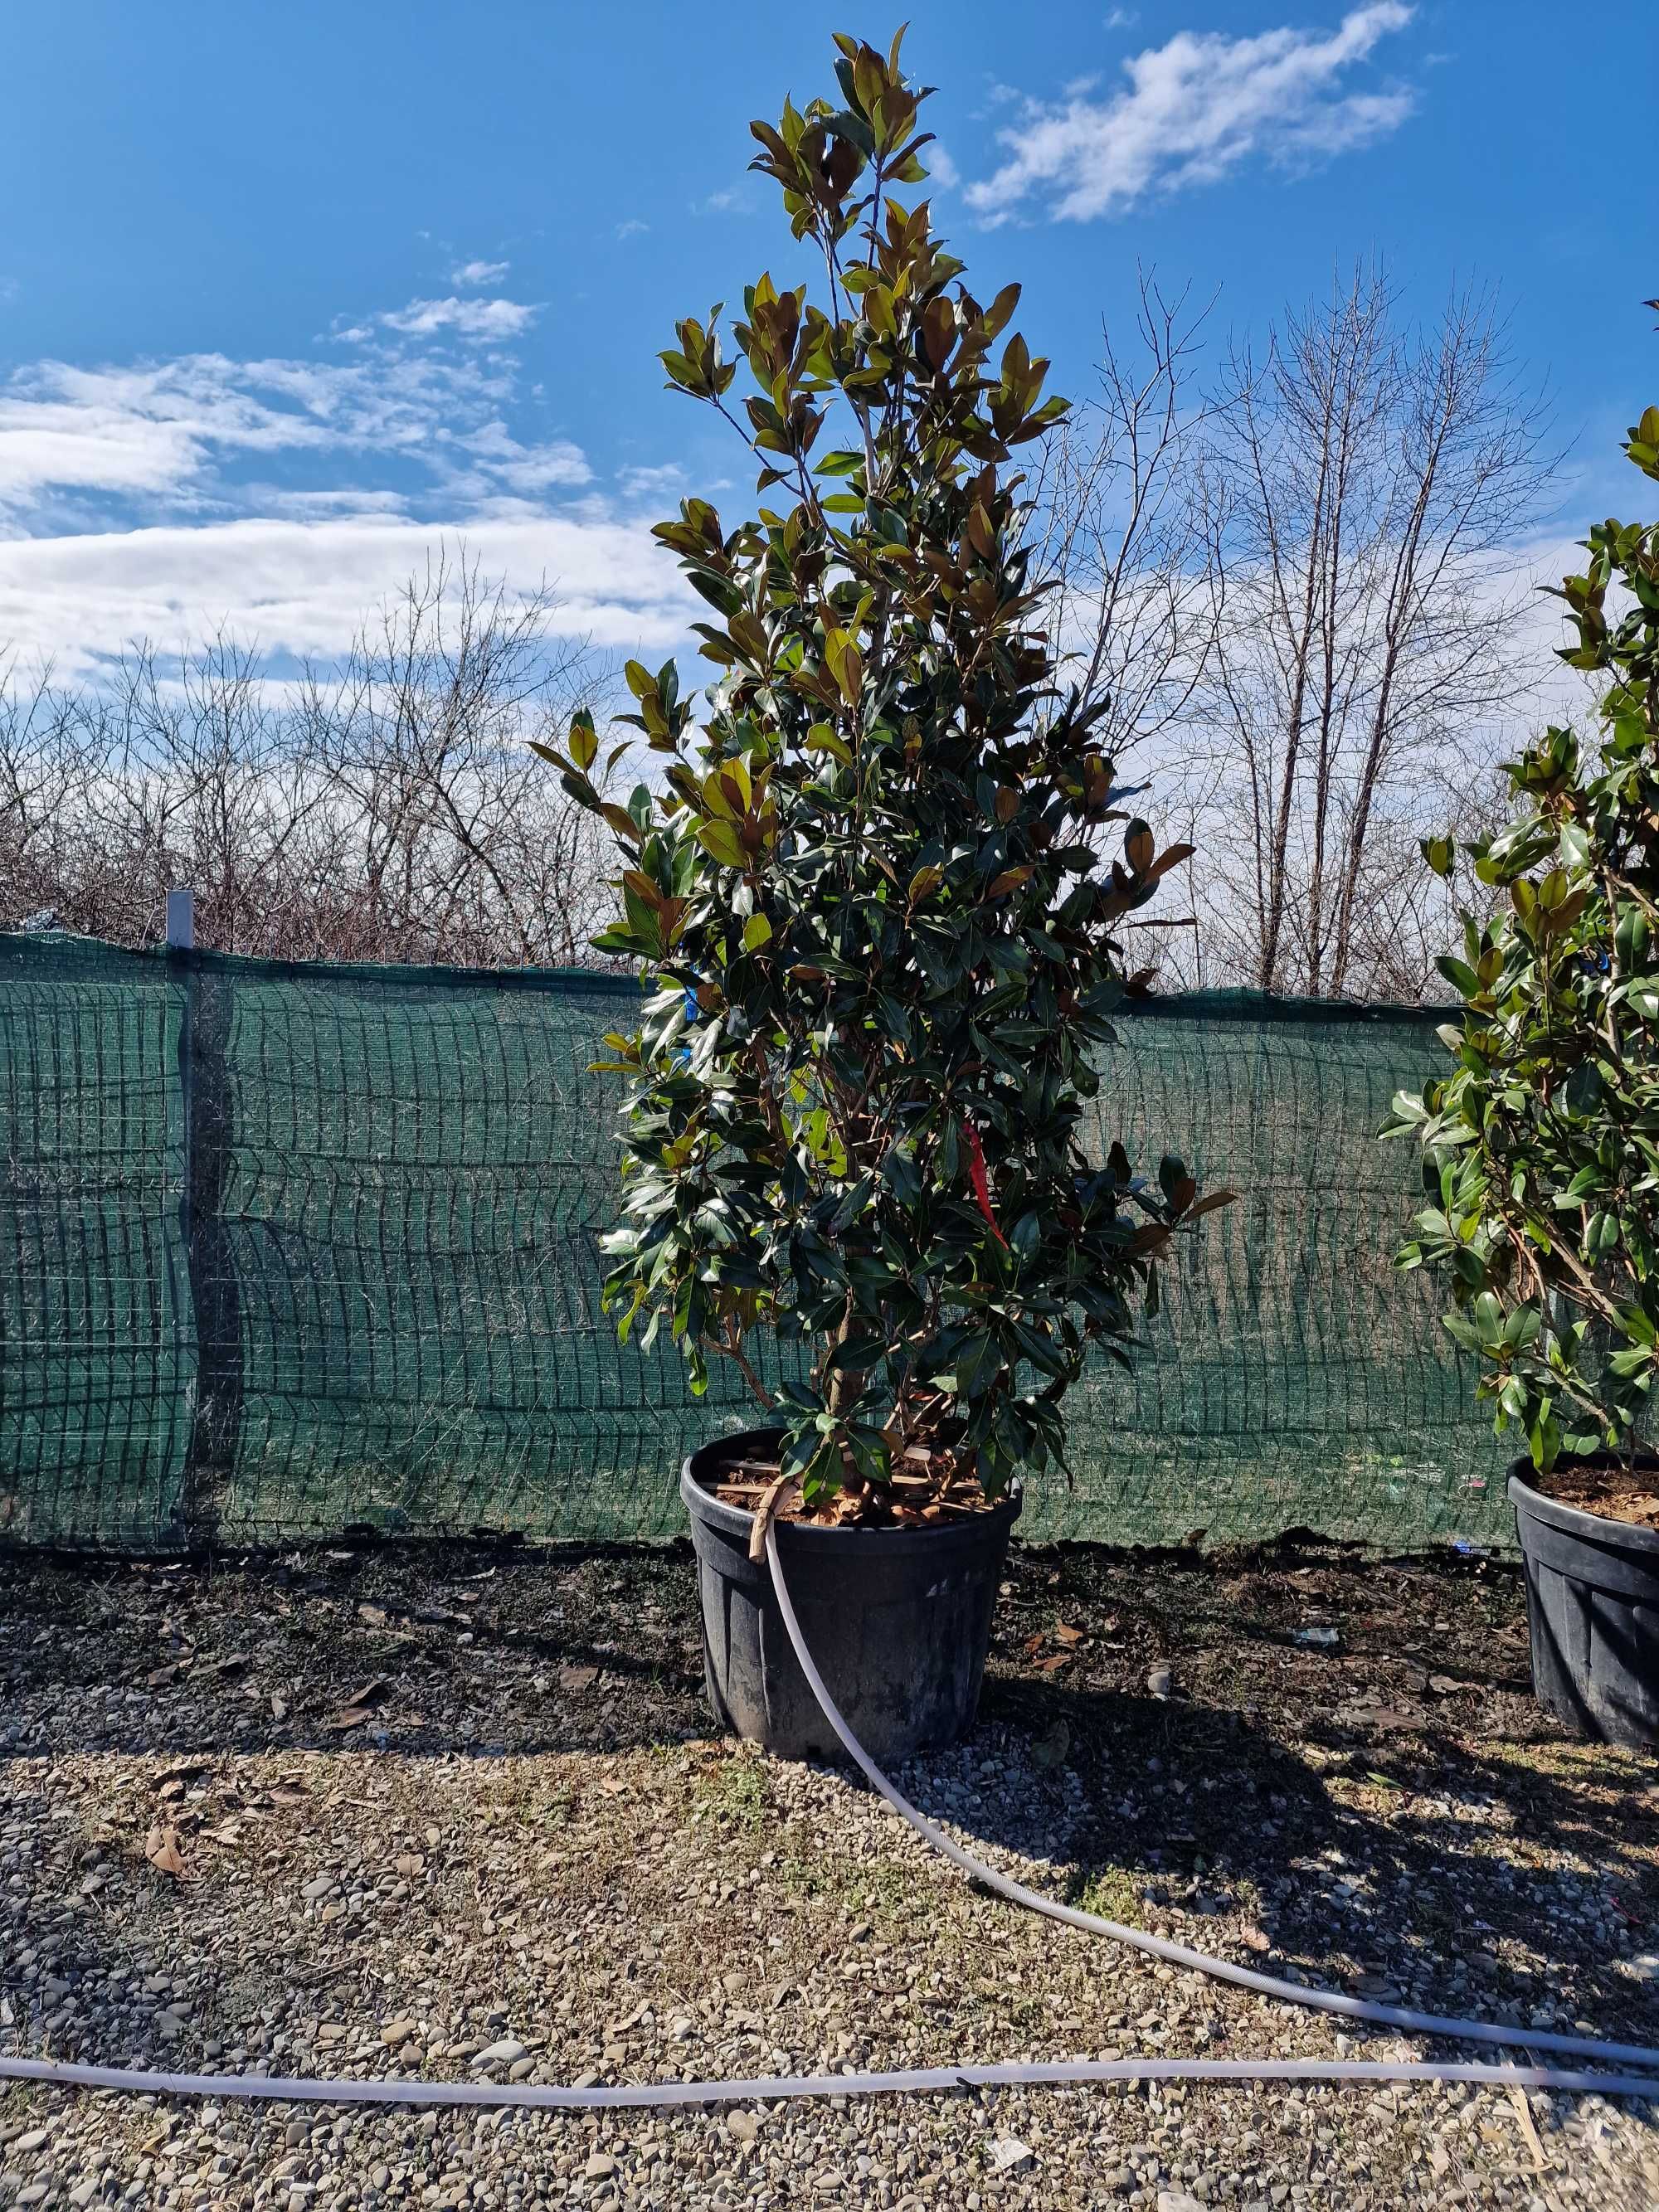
871, 897
1539, 1144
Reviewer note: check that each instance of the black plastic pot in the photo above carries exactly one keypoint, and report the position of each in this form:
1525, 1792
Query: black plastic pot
897, 1620
1593, 1609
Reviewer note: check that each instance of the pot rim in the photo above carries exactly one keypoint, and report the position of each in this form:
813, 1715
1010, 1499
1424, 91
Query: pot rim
738, 1519
1555, 1513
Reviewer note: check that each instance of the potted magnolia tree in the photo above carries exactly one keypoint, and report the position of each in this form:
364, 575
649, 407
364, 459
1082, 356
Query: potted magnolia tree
876, 890
1540, 1148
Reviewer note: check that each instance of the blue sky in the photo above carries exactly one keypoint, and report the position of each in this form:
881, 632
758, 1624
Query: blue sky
289, 293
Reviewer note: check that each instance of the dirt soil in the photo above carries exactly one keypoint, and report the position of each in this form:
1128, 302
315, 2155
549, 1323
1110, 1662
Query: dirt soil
926, 1491
1617, 1493
453, 1813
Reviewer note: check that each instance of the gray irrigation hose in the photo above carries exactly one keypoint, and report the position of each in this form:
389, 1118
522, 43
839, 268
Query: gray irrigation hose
1178, 1955
927, 2079
917, 2081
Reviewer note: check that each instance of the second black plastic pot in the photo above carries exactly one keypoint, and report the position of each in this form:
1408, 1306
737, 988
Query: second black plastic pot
1592, 1611
897, 1620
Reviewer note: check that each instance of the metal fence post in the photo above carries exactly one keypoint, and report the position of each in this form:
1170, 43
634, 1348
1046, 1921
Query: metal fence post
210, 1258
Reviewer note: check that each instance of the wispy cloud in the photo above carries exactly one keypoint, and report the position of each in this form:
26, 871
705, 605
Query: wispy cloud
649, 484
473, 273
159, 499
487, 320
632, 228
1195, 108
159, 435
731, 200
351, 500
525, 469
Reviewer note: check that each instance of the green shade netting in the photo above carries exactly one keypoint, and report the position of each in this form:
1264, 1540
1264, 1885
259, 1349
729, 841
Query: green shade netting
288, 1250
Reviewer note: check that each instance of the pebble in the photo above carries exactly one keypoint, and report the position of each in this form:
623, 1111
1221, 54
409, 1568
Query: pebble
604, 1872
503, 2053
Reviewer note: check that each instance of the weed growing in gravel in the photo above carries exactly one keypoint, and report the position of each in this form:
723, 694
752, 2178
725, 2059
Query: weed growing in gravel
1113, 1895
735, 1794
879, 1887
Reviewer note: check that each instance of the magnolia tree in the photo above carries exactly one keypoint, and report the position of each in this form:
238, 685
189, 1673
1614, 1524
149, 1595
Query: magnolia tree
1541, 1145
871, 892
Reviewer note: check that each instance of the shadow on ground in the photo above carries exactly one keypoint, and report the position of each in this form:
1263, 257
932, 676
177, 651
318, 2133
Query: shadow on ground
1342, 1772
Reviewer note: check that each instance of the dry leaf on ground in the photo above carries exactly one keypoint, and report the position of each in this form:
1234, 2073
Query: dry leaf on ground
162, 1849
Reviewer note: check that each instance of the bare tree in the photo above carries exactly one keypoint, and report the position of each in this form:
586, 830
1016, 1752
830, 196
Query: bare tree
1373, 486
1125, 527
46, 775
387, 808
461, 836
199, 775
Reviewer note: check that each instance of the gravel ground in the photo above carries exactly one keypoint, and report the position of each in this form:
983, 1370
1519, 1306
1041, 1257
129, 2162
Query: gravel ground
458, 1813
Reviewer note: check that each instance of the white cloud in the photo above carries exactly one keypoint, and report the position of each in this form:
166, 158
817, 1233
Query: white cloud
940, 167
731, 199
325, 506
479, 272
160, 434
481, 320
1196, 107
151, 428
632, 228
86, 440
526, 469
646, 483
162, 499
300, 586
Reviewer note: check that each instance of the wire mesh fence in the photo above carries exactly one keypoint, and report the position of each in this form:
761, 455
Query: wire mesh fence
287, 1251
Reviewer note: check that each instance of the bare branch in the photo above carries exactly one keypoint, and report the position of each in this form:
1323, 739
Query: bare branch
1375, 487
385, 808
